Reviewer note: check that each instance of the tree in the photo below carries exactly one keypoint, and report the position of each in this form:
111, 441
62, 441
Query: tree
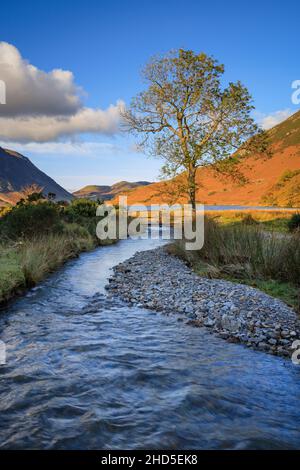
35, 197
186, 117
31, 193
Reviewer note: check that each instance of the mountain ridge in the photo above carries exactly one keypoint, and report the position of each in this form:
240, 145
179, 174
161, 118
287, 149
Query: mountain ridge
106, 192
17, 172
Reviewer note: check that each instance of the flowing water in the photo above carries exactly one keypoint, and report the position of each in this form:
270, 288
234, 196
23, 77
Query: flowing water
84, 371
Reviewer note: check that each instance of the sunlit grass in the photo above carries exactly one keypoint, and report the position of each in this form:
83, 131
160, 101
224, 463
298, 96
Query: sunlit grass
268, 220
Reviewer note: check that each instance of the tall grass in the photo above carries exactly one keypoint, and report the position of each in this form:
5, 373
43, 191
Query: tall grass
11, 274
248, 251
25, 263
41, 256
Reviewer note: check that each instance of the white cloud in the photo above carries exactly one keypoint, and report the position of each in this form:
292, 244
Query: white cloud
270, 120
84, 148
50, 128
46, 106
30, 91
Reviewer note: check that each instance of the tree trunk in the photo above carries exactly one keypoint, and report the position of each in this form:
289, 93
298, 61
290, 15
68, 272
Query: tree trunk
192, 186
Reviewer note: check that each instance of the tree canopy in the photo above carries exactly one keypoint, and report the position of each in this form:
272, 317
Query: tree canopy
186, 116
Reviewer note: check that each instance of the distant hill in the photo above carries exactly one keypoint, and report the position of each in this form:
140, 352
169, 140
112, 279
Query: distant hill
109, 192
17, 172
272, 181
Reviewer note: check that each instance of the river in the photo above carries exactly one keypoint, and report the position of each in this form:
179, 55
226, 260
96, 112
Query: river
84, 372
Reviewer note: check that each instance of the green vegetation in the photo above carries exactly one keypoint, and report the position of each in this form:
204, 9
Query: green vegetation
29, 220
294, 222
11, 274
81, 208
38, 236
247, 254
24, 264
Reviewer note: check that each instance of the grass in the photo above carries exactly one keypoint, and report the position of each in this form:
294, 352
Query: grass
285, 291
37, 237
249, 255
267, 220
11, 275
44, 255
26, 263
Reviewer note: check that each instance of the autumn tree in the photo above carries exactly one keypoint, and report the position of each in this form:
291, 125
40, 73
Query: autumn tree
186, 116
32, 190
31, 193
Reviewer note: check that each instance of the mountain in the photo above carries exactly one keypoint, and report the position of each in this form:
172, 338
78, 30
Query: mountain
267, 181
92, 191
109, 192
17, 172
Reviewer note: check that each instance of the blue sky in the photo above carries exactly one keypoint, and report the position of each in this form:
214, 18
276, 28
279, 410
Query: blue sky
105, 44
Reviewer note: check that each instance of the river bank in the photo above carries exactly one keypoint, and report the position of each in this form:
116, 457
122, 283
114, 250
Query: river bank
235, 312
38, 237
25, 264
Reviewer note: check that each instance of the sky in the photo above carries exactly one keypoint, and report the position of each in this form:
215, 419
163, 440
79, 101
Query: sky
69, 66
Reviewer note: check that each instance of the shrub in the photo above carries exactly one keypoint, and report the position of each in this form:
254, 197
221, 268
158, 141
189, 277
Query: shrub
294, 222
30, 220
34, 197
5, 210
81, 208
82, 212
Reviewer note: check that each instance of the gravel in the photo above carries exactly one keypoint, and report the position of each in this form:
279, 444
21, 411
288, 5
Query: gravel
237, 313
